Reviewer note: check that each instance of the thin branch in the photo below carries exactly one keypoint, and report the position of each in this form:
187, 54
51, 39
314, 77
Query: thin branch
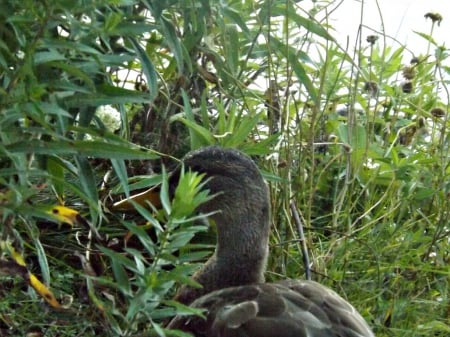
299, 224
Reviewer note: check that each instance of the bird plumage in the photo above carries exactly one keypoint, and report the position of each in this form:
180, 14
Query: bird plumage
287, 308
236, 300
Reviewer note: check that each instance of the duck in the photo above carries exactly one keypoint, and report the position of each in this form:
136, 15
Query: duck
236, 299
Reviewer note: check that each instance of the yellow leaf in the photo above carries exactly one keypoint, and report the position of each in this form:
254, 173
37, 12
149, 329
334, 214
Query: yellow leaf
6, 246
42, 290
64, 214
21, 270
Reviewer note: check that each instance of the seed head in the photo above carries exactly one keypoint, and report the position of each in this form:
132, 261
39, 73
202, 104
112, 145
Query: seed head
435, 17
371, 87
415, 60
407, 87
372, 39
437, 112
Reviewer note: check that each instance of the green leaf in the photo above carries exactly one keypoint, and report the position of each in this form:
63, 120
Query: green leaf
139, 183
121, 276
88, 183
261, 148
196, 142
427, 37
184, 309
235, 16
76, 72
293, 57
201, 134
239, 135
119, 258
286, 9
148, 68
232, 48
42, 257
143, 237
48, 56
171, 38
56, 171
189, 194
107, 95
97, 149
165, 193
133, 28
309, 24
121, 172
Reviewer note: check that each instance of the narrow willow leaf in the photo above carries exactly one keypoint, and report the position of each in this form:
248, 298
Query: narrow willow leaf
76, 72
263, 147
43, 261
427, 37
202, 134
121, 276
293, 57
42, 290
232, 48
164, 193
147, 67
97, 149
143, 237
120, 258
30, 278
173, 41
121, 172
133, 28
236, 17
196, 142
107, 95
56, 171
48, 56
246, 125
87, 179
284, 9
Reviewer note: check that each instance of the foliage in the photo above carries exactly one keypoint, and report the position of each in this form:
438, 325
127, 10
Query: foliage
358, 141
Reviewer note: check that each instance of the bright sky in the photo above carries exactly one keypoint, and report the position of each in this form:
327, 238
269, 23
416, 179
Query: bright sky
400, 18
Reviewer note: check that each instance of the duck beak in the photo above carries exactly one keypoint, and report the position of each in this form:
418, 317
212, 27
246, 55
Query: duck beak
149, 196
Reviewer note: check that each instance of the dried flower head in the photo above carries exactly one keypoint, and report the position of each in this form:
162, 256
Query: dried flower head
409, 72
371, 87
407, 87
437, 112
415, 60
372, 39
435, 17
407, 134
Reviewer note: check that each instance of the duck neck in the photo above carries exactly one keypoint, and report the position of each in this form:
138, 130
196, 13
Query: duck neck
242, 214
242, 247
239, 259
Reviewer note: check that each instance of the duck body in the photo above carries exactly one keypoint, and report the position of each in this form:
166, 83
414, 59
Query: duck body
236, 300
289, 308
